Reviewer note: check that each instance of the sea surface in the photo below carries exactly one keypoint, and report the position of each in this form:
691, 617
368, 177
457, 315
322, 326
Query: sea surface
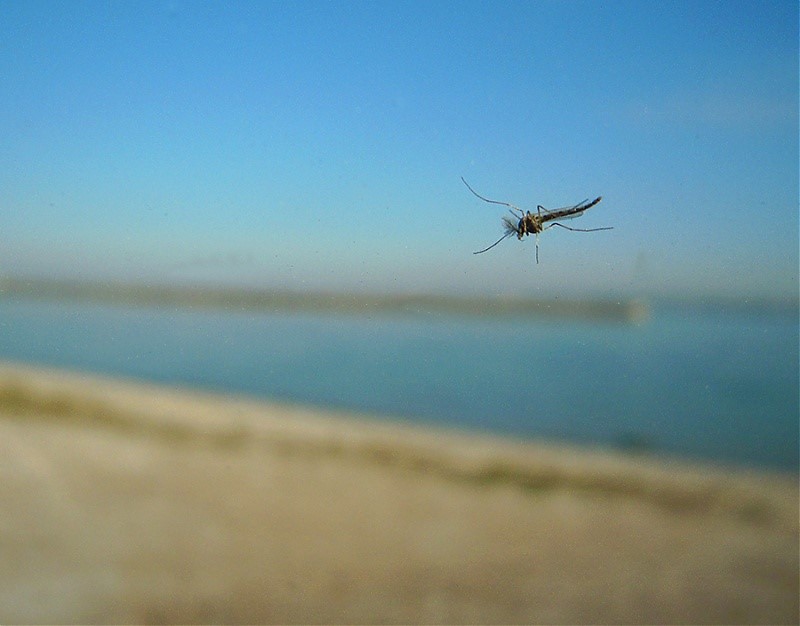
708, 383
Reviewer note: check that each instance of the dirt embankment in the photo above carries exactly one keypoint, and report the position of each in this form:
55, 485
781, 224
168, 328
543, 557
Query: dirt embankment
131, 503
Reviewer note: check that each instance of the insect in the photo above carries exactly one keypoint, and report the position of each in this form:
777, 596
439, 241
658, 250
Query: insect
527, 223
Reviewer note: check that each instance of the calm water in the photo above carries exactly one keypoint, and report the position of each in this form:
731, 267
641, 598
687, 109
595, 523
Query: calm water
719, 385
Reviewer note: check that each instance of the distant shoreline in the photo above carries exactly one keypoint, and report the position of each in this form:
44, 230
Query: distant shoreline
243, 299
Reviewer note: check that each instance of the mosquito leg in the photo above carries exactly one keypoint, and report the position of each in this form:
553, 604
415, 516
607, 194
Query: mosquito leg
494, 244
475, 193
578, 230
536, 241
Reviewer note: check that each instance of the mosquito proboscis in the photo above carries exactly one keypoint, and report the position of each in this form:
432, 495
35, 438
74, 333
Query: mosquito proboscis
526, 223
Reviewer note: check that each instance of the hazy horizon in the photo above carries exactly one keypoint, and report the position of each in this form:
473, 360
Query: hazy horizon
320, 146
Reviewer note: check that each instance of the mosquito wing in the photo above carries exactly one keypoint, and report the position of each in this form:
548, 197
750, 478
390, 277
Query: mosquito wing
568, 212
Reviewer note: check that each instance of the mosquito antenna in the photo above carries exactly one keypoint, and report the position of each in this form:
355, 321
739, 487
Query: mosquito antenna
494, 244
475, 193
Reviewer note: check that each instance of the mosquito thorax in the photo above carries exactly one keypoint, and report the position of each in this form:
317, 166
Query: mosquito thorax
529, 224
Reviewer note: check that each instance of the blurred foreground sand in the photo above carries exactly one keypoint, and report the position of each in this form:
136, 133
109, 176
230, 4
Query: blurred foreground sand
123, 502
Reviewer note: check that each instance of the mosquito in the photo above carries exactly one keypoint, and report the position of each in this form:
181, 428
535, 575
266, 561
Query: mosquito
526, 222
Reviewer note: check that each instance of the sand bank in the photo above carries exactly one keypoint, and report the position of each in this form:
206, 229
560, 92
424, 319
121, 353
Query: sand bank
125, 502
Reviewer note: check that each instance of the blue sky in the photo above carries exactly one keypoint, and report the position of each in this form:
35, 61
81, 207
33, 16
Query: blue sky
320, 145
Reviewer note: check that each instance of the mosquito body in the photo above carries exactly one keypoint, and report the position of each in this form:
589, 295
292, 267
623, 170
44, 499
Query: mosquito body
527, 223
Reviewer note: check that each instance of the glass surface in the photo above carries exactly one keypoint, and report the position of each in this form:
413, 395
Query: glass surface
569, 230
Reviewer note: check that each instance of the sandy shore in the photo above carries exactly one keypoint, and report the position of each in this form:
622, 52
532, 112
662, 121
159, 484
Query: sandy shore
124, 502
